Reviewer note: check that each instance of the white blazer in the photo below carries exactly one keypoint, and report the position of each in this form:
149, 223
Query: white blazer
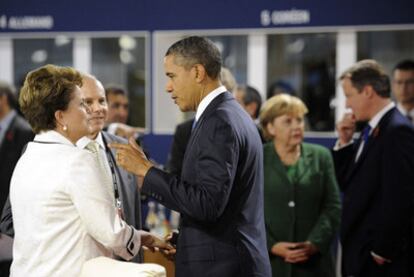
63, 212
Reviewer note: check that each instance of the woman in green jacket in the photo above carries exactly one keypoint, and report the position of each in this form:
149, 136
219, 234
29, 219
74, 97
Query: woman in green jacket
301, 202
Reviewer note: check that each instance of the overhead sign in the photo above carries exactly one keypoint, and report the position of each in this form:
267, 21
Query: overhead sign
149, 15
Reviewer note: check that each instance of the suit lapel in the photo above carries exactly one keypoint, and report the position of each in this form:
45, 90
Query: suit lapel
279, 168
372, 141
210, 109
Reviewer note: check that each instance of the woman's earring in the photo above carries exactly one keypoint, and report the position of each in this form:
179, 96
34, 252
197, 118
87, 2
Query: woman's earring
65, 127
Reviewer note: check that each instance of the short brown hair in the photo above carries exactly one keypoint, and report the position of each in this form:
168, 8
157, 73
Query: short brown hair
46, 90
279, 105
368, 72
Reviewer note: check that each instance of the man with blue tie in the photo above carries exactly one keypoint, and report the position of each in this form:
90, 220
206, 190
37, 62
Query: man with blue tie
376, 175
219, 193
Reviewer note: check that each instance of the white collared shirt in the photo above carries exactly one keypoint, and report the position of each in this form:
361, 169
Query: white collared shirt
207, 100
406, 113
373, 124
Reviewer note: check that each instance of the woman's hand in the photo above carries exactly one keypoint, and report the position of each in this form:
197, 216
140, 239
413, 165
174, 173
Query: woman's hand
294, 252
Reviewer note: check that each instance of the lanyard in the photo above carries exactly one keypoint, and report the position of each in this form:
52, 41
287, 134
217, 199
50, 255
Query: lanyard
110, 158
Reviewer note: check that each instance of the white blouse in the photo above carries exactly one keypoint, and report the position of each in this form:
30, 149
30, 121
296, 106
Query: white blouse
63, 212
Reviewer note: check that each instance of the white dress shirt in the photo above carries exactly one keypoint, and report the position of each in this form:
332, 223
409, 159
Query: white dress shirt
207, 100
62, 214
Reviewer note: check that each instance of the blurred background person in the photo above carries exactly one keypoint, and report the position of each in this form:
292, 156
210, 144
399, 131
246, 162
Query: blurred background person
403, 87
118, 112
62, 203
301, 196
279, 87
251, 101
15, 133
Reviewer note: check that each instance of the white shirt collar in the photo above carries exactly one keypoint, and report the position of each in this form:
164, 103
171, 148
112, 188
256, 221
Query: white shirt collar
52, 136
83, 141
376, 119
207, 100
404, 111
401, 109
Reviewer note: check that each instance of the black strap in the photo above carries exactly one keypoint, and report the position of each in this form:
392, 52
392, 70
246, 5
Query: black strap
111, 158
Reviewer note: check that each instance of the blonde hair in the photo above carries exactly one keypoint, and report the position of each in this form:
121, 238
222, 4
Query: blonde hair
278, 105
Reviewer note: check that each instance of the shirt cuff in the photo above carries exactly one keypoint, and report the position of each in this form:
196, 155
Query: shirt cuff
379, 257
112, 128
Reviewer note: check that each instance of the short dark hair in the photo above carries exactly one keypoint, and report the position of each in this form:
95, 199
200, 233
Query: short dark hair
46, 90
115, 89
251, 95
197, 50
368, 72
9, 91
404, 65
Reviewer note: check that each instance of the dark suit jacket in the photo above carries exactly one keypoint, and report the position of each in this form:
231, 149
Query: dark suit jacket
17, 136
179, 144
378, 200
219, 195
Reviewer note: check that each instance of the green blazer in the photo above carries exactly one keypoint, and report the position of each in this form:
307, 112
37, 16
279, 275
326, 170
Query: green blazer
306, 209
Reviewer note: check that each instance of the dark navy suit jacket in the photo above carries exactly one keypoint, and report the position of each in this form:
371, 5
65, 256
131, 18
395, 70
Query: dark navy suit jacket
219, 195
378, 200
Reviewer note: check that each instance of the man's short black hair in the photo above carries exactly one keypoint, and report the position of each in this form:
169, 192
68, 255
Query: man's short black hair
404, 65
197, 50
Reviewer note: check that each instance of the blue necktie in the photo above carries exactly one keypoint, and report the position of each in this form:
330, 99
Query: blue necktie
194, 124
363, 138
365, 133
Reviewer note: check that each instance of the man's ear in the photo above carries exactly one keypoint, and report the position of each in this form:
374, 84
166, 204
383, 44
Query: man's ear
368, 91
200, 72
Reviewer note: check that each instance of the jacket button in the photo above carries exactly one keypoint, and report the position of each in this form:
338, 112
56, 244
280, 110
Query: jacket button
291, 204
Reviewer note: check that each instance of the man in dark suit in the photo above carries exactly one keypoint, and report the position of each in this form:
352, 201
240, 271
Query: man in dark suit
376, 175
183, 130
220, 191
15, 133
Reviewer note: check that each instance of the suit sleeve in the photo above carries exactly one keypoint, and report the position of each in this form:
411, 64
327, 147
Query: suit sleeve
396, 215
343, 159
6, 224
328, 221
205, 197
91, 195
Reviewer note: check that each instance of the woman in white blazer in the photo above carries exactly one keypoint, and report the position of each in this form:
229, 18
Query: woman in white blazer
62, 203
